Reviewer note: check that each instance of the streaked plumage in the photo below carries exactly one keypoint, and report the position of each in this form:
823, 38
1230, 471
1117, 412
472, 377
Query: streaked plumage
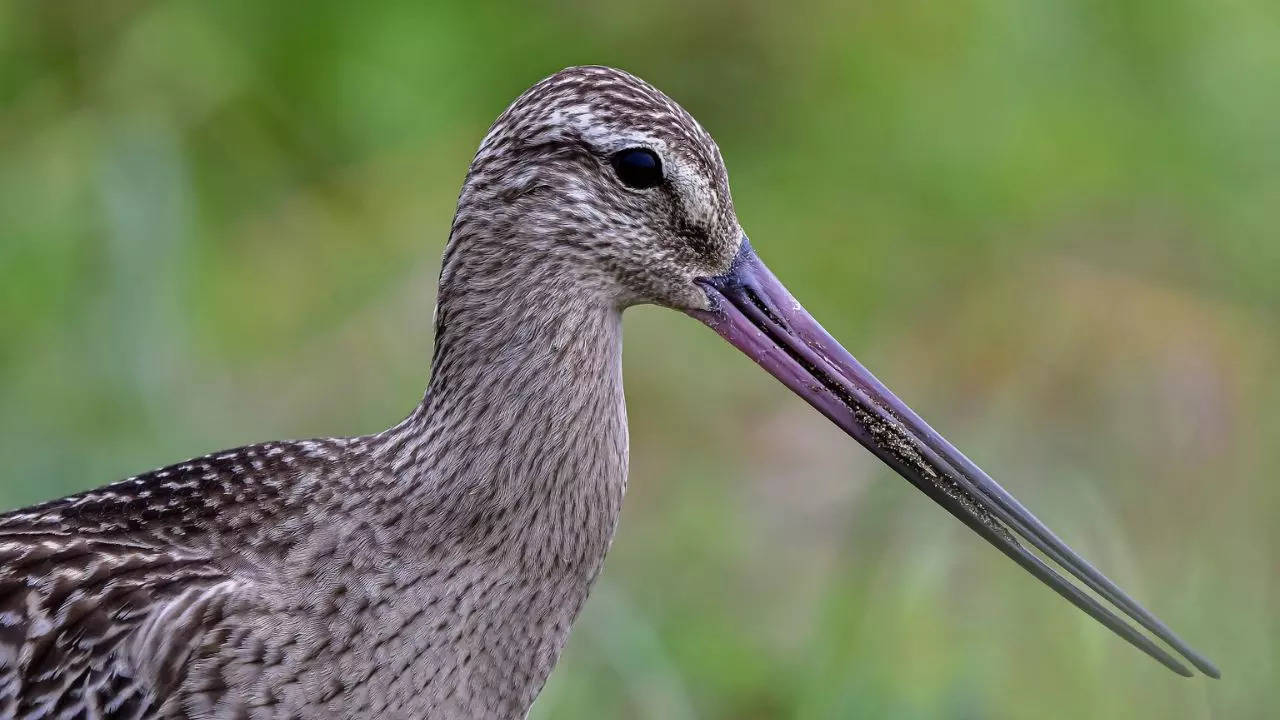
434, 569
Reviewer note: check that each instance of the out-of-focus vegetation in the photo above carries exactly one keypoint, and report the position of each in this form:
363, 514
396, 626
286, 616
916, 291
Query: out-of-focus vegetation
1050, 226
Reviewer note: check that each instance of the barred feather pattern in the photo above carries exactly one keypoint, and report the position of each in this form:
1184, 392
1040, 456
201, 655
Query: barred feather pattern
432, 570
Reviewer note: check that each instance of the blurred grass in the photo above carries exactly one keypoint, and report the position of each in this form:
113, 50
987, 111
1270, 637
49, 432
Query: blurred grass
1050, 226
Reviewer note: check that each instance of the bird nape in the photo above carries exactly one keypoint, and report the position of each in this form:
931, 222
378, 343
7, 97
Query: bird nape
434, 569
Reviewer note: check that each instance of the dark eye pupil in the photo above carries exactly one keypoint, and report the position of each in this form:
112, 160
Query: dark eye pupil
638, 168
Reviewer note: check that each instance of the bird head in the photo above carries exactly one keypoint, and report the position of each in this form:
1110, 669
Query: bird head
605, 182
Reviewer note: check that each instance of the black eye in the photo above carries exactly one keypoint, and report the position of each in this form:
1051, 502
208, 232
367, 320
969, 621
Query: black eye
638, 167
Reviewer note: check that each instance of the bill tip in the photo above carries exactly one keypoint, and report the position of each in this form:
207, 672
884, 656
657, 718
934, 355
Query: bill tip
1203, 664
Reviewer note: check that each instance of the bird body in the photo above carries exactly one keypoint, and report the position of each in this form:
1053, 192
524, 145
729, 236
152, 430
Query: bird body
433, 570
365, 577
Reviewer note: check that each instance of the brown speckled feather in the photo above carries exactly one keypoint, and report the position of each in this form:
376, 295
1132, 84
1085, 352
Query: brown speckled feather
106, 596
431, 570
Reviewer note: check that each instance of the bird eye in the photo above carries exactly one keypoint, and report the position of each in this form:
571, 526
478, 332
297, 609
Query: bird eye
638, 167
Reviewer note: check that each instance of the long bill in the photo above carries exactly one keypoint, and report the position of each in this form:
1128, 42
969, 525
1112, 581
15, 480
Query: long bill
752, 310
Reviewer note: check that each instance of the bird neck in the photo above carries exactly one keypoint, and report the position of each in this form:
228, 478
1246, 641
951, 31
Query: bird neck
523, 423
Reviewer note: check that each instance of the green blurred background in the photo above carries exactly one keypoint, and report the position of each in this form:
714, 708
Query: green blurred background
1050, 226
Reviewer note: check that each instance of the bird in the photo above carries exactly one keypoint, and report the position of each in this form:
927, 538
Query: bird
435, 569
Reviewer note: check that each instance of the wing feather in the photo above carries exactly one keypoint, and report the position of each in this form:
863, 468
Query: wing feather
104, 595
